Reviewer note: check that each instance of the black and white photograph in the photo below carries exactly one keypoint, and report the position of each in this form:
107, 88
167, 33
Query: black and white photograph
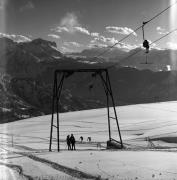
88, 89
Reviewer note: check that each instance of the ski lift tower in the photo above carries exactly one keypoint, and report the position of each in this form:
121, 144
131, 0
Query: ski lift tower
59, 77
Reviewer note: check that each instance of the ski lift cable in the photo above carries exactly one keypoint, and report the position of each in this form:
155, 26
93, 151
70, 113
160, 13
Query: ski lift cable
135, 30
142, 26
158, 14
139, 50
110, 47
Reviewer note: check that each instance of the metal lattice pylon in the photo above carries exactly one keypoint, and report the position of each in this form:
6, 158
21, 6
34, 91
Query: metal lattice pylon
59, 77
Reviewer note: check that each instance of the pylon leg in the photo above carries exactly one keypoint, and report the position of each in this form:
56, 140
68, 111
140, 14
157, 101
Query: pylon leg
56, 97
107, 103
108, 90
53, 111
112, 98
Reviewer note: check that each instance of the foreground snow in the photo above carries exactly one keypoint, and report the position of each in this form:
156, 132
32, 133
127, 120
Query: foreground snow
121, 164
158, 122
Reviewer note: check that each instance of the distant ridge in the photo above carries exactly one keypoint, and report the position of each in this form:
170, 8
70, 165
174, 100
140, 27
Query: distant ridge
159, 59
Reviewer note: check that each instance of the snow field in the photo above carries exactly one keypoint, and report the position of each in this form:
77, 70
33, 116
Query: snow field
157, 121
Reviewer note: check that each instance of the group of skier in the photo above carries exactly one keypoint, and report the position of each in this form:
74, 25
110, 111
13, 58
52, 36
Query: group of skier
70, 140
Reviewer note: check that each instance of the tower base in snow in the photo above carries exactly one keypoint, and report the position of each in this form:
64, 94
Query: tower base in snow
113, 144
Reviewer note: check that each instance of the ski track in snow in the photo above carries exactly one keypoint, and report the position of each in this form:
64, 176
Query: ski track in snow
67, 170
18, 169
72, 172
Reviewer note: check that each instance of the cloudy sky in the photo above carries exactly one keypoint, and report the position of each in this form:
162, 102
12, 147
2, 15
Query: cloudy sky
79, 24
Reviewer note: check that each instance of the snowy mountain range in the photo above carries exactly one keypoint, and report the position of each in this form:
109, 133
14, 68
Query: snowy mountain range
158, 59
27, 70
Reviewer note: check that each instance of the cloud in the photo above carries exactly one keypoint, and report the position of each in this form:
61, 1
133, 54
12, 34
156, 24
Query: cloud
126, 46
96, 45
106, 42
29, 5
102, 41
60, 29
109, 41
70, 21
82, 30
161, 31
172, 45
75, 44
79, 29
70, 24
93, 41
54, 36
94, 34
120, 30
66, 50
16, 38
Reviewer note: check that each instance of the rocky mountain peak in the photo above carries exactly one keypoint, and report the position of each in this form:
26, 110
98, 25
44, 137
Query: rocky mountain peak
44, 43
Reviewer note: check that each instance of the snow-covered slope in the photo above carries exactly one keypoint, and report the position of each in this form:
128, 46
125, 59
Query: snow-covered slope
26, 143
137, 122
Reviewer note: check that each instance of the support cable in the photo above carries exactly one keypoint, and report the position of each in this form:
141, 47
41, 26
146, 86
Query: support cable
139, 50
154, 17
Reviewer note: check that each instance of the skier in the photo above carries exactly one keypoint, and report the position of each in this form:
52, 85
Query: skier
89, 139
81, 138
68, 142
73, 141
